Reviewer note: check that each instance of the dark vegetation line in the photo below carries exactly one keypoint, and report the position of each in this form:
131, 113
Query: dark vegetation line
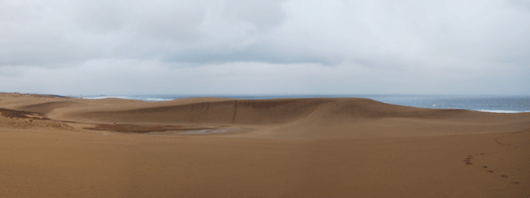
41, 95
21, 114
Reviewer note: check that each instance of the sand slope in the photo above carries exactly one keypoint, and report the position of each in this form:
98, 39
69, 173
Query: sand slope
308, 118
277, 148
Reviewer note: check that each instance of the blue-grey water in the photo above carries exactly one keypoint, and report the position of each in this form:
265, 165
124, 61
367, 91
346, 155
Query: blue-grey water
498, 104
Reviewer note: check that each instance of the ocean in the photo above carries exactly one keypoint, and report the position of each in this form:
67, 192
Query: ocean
486, 103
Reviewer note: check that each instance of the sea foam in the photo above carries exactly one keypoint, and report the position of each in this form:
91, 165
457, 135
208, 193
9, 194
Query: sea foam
127, 98
501, 111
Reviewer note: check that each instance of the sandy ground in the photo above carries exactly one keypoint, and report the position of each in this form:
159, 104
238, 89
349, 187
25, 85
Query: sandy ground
214, 147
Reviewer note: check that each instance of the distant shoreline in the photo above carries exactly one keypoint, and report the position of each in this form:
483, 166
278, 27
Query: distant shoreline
481, 103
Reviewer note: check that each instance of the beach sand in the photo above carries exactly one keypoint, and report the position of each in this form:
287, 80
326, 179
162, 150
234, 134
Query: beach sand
216, 147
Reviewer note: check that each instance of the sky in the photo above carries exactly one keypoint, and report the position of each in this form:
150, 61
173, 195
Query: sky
88, 47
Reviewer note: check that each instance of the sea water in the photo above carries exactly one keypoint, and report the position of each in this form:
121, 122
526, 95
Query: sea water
487, 103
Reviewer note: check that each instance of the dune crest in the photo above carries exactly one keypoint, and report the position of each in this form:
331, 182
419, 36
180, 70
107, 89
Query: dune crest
280, 118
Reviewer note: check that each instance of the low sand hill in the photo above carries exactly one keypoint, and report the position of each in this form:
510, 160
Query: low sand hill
337, 147
293, 118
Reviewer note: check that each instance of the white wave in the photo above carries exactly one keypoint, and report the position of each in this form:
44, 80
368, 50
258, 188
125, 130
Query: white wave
501, 111
127, 98
104, 97
155, 99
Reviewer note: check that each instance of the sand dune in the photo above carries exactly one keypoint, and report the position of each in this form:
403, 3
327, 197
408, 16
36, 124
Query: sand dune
340, 147
308, 118
47, 107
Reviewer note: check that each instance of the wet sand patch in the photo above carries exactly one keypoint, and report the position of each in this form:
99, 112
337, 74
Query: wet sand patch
132, 128
10, 113
197, 132
207, 131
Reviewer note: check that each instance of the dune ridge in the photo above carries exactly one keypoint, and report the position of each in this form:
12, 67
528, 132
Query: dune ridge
279, 118
306, 118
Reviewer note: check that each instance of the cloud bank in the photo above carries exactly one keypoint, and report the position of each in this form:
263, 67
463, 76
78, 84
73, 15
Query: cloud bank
265, 47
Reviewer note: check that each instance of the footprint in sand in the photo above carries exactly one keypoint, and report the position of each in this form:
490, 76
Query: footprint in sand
468, 160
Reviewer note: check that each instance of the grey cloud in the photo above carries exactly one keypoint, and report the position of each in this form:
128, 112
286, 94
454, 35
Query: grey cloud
43, 49
169, 20
155, 77
100, 16
469, 41
253, 53
524, 5
328, 32
34, 34
262, 14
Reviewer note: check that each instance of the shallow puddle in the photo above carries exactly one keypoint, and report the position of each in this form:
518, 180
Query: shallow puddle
192, 132
207, 131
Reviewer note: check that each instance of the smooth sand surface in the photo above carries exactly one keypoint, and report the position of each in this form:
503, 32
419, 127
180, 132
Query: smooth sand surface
216, 147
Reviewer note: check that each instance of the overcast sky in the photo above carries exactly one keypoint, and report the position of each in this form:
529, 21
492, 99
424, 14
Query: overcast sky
265, 47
